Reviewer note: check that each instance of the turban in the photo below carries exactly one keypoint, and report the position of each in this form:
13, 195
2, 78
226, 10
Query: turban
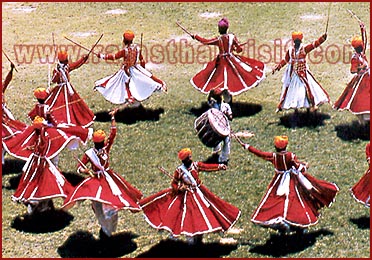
297, 35
99, 136
128, 35
40, 93
62, 56
184, 153
357, 41
223, 23
38, 121
281, 142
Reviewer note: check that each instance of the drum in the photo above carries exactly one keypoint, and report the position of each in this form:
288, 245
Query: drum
212, 127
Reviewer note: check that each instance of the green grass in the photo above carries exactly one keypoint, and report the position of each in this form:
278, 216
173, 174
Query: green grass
334, 149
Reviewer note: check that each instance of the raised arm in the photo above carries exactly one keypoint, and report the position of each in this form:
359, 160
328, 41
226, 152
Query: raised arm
315, 44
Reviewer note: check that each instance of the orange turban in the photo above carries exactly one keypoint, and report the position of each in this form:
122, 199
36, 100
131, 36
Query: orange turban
38, 121
62, 56
357, 41
128, 35
297, 35
184, 153
281, 142
99, 136
40, 93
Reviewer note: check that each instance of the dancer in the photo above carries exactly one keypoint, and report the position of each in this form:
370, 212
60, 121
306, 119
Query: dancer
356, 96
188, 207
215, 97
228, 70
108, 191
132, 83
64, 102
41, 180
294, 197
361, 190
300, 88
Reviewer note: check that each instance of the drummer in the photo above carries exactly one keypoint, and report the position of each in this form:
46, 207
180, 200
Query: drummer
218, 98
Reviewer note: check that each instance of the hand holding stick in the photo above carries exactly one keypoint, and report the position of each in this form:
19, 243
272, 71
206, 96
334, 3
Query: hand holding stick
12, 66
84, 166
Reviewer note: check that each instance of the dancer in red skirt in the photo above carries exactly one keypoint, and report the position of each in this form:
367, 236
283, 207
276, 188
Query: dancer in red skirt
294, 197
10, 126
132, 83
64, 102
188, 207
300, 89
228, 70
108, 191
356, 96
361, 190
41, 180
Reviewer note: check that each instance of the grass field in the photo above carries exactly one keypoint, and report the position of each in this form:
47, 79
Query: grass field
332, 143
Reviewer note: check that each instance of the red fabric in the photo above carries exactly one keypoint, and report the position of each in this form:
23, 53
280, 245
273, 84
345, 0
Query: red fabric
185, 212
238, 78
11, 127
76, 111
97, 188
39, 183
52, 139
361, 190
356, 95
303, 205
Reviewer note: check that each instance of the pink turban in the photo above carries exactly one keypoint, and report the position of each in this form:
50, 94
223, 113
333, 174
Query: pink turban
223, 23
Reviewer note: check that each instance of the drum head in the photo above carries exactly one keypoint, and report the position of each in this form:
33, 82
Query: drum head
219, 122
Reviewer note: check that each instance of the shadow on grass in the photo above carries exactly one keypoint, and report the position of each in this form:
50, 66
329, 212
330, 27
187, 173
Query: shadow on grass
83, 244
303, 119
281, 246
73, 178
13, 182
361, 222
180, 249
44, 222
12, 166
352, 131
131, 115
239, 109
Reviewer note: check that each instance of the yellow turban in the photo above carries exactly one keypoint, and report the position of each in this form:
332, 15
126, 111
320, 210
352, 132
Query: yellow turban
99, 136
184, 153
281, 142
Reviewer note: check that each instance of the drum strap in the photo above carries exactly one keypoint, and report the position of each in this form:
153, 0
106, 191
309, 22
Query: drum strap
194, 184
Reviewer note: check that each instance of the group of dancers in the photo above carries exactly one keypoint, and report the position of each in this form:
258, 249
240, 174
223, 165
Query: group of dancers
61, 119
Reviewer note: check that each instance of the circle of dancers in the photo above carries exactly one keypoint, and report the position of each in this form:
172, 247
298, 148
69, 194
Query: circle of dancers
61, 119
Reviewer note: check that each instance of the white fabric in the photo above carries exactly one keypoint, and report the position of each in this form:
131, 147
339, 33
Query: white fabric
107, 217
194, 184
296, 94
95, 160
141, 86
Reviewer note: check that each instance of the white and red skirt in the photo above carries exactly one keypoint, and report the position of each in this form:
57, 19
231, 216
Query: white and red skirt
68, 107
41, 180
356, 96
108, 188
361, 190
233, 72
141, 85
293, 200
189, 213
58, 138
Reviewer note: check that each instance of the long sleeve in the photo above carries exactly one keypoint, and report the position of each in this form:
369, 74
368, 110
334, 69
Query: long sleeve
77, 64
268, 156
315, 44
213, 41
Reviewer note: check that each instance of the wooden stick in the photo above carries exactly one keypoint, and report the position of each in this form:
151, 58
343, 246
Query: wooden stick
6, 56
184, 29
